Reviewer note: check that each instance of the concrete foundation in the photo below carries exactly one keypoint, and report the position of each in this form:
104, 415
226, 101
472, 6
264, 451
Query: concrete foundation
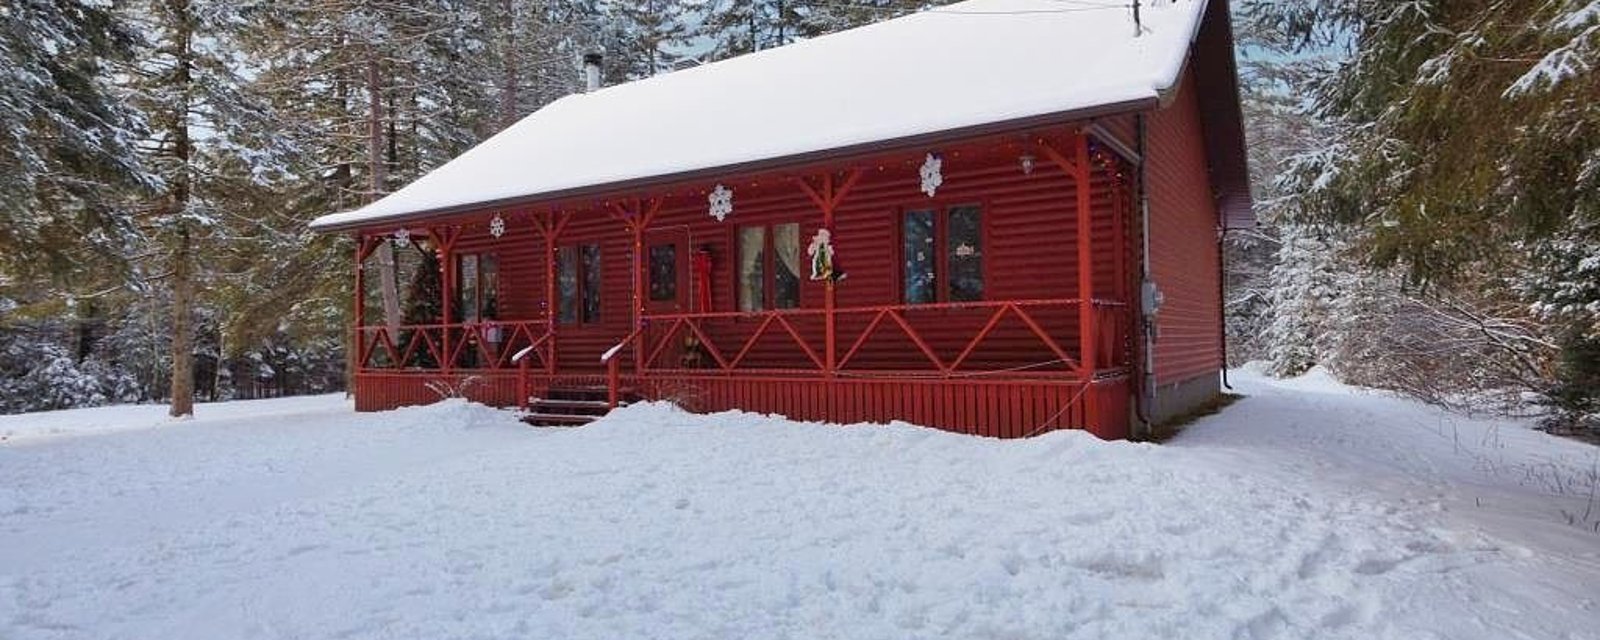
1178, 398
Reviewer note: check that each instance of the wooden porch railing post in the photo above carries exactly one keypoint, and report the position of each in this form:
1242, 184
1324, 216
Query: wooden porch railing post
522, 383
1088, 339
614, 381
638, 292
637, 218
551, 230
361, 304
828, 304
444, 243
828, 199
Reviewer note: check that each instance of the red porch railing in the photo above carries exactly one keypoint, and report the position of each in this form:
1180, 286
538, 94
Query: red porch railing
488, 345
1001, 368
1031, 338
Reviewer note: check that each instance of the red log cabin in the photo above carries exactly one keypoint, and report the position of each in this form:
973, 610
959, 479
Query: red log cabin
1000, 217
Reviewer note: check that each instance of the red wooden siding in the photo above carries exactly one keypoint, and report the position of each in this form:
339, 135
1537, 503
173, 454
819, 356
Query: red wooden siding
1183, 242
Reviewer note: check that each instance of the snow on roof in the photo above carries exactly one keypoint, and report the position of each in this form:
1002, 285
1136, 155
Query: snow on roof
968, 64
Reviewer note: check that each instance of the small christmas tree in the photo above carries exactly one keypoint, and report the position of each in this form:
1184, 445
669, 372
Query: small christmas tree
424, 306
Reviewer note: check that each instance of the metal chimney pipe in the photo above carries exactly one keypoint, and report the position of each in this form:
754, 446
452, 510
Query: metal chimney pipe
591, 70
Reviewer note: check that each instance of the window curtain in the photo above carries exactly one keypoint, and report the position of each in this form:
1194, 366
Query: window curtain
786, 238
752, 279
786, 282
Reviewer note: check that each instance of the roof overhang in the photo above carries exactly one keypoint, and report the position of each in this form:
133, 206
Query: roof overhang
1221, 117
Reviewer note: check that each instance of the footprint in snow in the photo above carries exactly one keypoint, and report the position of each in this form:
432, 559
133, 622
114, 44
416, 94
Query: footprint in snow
1120, 566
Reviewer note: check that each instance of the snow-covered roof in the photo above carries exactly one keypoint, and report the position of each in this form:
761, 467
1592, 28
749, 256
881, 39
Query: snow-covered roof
961, 66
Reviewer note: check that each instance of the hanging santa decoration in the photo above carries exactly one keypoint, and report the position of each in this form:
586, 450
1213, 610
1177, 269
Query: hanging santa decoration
821, 252
932, 174
497, 226
721, 201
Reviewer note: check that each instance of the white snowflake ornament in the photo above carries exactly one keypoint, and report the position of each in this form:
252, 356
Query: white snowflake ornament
721, 201
402, 237
497, 226
932, 175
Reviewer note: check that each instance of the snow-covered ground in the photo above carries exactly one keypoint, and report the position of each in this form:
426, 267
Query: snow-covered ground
1307, 509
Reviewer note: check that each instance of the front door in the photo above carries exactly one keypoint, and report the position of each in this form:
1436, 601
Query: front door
666, 271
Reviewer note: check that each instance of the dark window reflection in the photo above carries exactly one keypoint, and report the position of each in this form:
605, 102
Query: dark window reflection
918, 252
664, 273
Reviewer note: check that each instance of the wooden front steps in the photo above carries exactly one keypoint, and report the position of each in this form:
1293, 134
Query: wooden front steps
568, 407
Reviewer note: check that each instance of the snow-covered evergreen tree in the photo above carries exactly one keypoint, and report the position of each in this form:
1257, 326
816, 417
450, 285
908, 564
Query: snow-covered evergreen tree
67, 141
189, 85
1464, 136
643, 37
736, 27
1308, 283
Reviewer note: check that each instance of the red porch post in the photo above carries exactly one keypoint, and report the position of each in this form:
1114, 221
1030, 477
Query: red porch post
638, 219
1082, 174
363, 249
444, 240
828, 199
550, 229
1088, 333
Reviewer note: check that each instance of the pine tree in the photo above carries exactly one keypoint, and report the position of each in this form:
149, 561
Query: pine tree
530, 54
1257, 259
67, 140
185, 81
375, 93
1464, 137
828, 16
643, 37
740, 27
1306, 291
737, 27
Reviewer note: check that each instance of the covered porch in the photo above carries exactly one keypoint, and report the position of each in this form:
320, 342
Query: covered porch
995, 303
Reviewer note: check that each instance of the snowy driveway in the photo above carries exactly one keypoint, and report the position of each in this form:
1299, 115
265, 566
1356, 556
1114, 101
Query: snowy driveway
1306, 510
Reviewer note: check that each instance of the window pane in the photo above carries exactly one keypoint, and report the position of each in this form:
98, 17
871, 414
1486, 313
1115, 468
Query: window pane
467, 288
591, 282
664, 273
752, 268
918, 250
786, 268
489, 279
965, 239
566, 285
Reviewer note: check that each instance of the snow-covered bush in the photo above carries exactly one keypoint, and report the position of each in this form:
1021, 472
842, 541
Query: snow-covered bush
39, 376
1576, 397
1469, 353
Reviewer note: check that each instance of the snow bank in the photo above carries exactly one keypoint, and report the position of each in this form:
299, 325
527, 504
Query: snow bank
454, 414
1294, 514
97, 420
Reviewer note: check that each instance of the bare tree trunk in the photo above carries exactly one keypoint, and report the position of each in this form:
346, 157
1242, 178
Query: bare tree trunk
377, 169
508, 90
182, 386
182, 329
216, 372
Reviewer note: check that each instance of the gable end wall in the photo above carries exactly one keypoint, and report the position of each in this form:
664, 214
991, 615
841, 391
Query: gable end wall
1183, 246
